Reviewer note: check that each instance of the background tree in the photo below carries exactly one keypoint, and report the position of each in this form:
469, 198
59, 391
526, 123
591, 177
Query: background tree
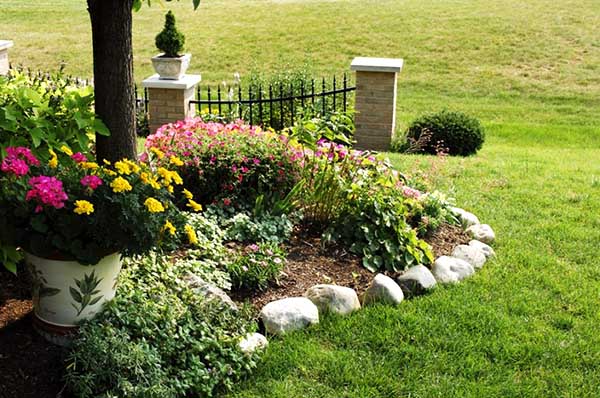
113, 75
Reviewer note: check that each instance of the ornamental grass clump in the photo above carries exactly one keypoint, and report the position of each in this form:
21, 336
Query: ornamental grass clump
230, 165
68, 207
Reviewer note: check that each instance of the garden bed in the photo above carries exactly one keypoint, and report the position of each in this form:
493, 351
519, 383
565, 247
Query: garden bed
31, 367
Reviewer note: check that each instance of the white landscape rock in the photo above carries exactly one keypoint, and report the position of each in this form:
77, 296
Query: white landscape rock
482, 232
209, 291
286, 315
332, 298
416, 280
383, 289
466, 218
470, 254
485, 249
253, 342
451, 270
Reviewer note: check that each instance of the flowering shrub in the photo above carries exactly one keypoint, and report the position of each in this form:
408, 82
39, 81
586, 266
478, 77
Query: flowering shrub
256, 266
227, 164
73, 208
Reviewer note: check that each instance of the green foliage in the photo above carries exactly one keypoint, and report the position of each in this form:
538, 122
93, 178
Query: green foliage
46, 112
336, 127
170, 40
375, 226
158, 338
263, 228
257, 266
454, 133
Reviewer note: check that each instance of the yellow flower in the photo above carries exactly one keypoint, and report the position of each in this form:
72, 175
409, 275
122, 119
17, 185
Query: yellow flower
191, 234
106, 162
169, 176
170, 188
53, 162
149, 180
188, 194
194, 205
120, 184
110, 172
174, 160
133, 166
122, 168
89, 165
65, 149
83, 207
159, 154
154, 206
169, 227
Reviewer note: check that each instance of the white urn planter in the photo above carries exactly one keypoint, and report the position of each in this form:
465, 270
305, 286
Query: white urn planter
67, 292
171, 68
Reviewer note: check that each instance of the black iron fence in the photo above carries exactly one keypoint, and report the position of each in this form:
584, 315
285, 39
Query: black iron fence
277, 106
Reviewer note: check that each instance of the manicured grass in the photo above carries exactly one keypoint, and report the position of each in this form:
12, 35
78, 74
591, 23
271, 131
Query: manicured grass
526, 325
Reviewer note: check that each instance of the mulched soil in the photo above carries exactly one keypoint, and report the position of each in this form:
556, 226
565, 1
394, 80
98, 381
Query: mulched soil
32, 368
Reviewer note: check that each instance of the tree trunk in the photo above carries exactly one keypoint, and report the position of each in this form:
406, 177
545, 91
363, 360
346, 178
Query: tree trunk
113, 77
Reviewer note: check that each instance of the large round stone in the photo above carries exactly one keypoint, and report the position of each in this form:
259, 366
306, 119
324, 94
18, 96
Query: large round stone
416, 280
485, 249
286, 315
451, 270
332, 298
383, 289
466, 218
482, 232
470, 254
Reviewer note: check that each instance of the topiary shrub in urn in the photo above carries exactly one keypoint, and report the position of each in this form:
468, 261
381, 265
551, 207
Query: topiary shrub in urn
170, 64
73, 219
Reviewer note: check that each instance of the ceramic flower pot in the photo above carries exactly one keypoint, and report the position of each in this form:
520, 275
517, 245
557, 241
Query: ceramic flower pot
67, 292
171, 68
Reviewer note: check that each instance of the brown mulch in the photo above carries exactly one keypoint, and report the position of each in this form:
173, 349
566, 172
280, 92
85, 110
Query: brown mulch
309, 264
32, 368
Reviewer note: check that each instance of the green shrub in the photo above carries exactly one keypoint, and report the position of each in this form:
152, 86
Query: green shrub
256, 266
158, 338
46, 112
170, 40
452, 132
263, 228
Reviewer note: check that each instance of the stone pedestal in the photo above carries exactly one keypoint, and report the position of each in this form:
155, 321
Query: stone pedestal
375, 101
4, 64
169, 100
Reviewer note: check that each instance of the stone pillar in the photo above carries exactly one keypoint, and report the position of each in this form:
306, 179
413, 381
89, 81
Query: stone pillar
4, 64
169, 100
375, 106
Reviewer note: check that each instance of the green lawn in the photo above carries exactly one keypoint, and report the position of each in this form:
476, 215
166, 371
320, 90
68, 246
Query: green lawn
527, 324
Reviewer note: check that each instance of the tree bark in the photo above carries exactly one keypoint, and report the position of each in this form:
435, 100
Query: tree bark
113, 77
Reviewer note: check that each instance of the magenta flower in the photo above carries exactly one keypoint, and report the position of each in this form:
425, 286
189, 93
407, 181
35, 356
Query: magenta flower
79, 157
46, 191
92, 182
18, 160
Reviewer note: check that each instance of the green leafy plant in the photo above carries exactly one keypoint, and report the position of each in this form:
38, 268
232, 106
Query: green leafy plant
454, 133
257, 266
244, 227
159, 338
170, 41
46, 112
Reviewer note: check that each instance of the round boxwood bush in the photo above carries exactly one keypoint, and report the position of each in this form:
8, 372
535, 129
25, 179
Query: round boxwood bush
453, 132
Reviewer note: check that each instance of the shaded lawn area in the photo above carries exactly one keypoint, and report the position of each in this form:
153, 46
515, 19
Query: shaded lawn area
526, 325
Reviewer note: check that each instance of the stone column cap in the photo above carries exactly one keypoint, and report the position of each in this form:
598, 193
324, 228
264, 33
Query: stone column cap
5, 44
182, 84
369, 64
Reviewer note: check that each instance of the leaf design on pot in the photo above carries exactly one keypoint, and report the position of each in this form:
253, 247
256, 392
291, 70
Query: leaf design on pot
39, 285
85, 292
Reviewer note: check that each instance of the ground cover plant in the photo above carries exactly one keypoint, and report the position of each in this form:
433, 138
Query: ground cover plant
526, 324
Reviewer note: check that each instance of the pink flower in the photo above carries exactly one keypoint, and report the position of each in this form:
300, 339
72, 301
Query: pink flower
91, 181
79, 157
253, 247
256, 161
46, 191
226, 201
18, 160
411, 192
